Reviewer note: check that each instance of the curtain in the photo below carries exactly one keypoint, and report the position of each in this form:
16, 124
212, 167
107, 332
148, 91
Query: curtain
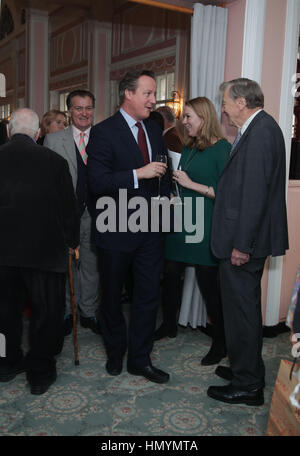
208, 46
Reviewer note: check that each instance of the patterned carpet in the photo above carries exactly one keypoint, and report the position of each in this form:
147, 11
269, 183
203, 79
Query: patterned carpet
86, 401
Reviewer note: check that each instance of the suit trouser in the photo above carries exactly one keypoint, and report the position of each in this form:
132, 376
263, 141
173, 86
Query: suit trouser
146, 262
241, 299
46, 292
86, 274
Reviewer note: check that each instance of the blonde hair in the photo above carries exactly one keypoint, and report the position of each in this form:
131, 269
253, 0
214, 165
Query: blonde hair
48, 118
210, 131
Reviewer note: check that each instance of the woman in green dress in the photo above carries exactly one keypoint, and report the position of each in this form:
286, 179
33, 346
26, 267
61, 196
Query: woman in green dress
203, 158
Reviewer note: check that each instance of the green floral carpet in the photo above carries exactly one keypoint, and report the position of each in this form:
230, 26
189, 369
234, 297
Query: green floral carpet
86, 401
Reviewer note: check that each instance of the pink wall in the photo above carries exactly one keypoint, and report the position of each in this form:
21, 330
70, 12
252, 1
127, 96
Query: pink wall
234, 53
235, 36
292, 258
272, 52
273, 55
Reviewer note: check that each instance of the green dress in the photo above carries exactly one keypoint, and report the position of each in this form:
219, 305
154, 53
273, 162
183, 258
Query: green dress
204, 167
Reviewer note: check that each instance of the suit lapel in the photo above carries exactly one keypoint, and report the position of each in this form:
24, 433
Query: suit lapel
151, 138
128, 140
246, 133
243, 139
69, 147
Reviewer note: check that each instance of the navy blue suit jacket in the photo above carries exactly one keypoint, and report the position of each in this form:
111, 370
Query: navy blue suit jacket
113, 154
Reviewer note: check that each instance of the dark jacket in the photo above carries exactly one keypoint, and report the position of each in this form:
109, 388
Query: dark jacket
172, 140
250, 208
37, 207
113, 155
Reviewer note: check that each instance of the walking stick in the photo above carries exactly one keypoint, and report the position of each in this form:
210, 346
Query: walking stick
75, 339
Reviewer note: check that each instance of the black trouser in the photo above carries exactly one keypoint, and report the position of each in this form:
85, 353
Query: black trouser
146, 263
46, 293
208, 282
241, 297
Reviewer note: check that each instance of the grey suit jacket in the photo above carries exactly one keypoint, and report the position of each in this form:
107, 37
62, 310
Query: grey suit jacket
63, 143
250, 208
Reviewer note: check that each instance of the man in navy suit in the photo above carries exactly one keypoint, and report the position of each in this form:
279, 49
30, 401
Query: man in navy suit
249, 224
122, 151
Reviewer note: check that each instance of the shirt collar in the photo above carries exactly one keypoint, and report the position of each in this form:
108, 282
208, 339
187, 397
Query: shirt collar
76, 132
130, 120
248, 121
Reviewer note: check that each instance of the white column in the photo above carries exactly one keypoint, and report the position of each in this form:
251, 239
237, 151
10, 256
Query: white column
253, 43
37, 61
285, 122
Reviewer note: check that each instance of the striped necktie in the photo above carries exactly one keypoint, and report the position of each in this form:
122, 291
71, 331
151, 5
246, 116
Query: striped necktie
81, 147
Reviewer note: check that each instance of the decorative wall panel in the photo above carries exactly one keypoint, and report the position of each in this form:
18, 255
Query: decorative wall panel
69, 49
166, 64
140, 30
69, 82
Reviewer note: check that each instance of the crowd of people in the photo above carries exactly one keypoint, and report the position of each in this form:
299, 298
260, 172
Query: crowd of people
56, 182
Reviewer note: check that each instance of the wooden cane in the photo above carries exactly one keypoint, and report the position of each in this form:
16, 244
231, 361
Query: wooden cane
73, 307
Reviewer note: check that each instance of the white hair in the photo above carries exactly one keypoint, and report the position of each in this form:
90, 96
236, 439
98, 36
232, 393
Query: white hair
24, 121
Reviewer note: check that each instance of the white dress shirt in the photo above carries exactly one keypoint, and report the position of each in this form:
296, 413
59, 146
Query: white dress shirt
76, 135
131, 122
248, 121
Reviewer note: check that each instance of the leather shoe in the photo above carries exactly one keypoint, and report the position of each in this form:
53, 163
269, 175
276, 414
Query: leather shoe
8, 373
233, 395
113, 367
91, 323
150, 373
224, 372
40, 386
163, 331
214, 356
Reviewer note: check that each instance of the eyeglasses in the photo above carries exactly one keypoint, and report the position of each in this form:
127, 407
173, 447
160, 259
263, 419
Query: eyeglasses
81, 108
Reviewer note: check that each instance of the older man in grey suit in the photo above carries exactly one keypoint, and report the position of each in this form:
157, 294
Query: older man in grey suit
71, 144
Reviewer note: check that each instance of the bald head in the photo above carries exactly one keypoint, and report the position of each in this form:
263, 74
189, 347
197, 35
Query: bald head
24, 121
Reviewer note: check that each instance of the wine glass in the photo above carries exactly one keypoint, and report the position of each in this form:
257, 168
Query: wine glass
178, 192
162, 158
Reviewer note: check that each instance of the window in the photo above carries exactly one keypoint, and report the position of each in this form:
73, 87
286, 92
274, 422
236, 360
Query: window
5, 111
63, 101
165, 87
